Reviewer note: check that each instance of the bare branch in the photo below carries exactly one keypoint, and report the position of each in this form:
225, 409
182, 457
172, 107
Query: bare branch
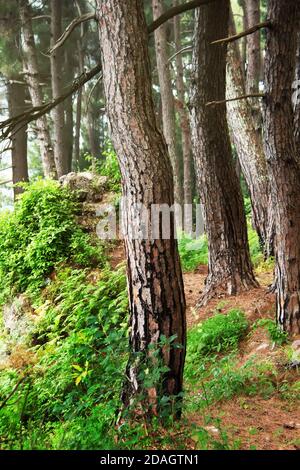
242, 97
7, 127
174, 11
70, 28
181, 51
264, 24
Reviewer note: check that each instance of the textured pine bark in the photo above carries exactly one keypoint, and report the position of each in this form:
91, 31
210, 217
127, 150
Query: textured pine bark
167, 98
16, 105
56, 62
252, 11
249, 147
283, 156
229, 261
156, 295
32, 78
296, 91
184, 123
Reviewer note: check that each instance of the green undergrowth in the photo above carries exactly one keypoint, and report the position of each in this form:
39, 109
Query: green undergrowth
194, 252
41, 233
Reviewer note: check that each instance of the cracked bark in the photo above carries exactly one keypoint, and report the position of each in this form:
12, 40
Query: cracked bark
156, 295
249, 147
229, 263
283, 157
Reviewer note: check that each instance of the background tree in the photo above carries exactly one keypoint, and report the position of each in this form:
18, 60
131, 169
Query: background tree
229, 263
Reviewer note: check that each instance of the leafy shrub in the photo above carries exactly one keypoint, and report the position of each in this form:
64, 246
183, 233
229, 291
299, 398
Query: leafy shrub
40, 233
192, 252
110, 167
81, 352
216, 334
276, 335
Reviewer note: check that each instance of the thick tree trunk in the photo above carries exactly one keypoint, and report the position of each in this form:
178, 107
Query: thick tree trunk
283, 156
56, 62
167, 98
229, 261
16, 105
156, 295
249, 147
184, 125
253, 53
296, 94
32, 78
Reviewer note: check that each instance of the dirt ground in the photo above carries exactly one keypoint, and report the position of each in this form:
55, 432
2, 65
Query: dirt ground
254, 422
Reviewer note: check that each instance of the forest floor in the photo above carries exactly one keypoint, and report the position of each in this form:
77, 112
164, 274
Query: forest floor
249, 422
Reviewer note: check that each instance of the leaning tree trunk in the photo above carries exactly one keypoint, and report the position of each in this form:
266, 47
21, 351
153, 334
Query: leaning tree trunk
16, 105
32, 78
283, 156
156, 295
185, 129
56, 61
229, 261
249, 147
167, 98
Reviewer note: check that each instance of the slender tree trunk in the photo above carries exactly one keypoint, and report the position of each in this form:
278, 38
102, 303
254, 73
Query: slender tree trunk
156, 295
167, 98
56, 62
283, 156
69, 76
16, 105
229, 261
184, 125
249, 147
252, 11
32, 78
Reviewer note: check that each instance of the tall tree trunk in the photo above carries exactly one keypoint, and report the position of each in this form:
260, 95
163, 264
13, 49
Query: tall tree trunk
229, 261
283, 156
249, 147
252, 12
156, 295
16, 105
69, 76
184, 125
32, 78
167, 98
296, 93
56, 61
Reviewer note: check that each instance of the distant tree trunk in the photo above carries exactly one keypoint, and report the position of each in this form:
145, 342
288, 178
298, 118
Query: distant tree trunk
252, 11
229, 261
184, 124
69, 76
16, 105
156, 295
167, 98
32, 78
252, 8
56, 62
249, 147
283, 156
78, 110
